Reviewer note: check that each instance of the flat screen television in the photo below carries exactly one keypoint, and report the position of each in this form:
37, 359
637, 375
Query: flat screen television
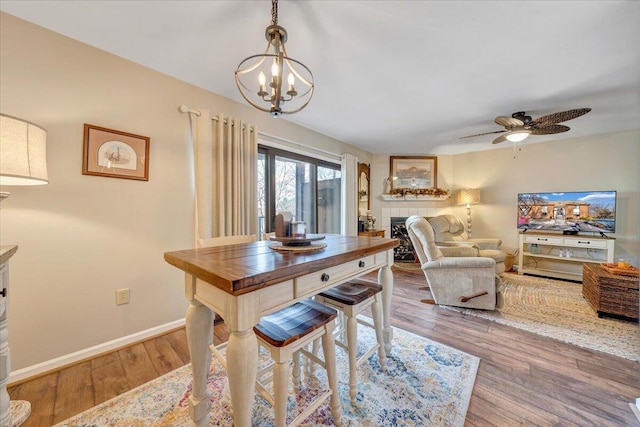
569, 212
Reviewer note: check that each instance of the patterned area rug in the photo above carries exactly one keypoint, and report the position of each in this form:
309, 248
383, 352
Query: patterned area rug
426, 383
556, 309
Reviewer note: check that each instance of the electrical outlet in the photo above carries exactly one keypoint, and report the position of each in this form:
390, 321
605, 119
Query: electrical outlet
122, 296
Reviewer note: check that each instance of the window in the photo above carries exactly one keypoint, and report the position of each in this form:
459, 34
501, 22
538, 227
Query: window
308, 188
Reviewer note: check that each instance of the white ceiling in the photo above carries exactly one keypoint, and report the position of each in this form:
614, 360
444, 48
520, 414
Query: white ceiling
392, 77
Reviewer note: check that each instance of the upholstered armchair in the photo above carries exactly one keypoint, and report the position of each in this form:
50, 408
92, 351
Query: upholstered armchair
469, 282
454, 241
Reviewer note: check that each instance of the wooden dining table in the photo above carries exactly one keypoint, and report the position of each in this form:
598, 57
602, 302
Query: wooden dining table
244, 282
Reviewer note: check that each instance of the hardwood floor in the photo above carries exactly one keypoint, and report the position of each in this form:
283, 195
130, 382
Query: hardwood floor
523, 379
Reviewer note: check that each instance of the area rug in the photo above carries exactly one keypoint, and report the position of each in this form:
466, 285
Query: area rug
426, 383
556, 309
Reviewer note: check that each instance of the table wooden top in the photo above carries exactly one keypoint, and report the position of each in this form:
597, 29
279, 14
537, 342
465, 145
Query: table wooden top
238, 269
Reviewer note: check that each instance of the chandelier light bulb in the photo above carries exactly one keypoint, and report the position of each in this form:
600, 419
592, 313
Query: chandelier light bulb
274, 69
262, 80
291, 80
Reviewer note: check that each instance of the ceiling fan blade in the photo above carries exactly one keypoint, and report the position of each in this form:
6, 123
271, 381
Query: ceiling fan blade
500, 139
508, 122
551, 119
481, 134
548, 130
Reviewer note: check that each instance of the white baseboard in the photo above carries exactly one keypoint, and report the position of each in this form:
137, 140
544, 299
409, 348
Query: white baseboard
71, 358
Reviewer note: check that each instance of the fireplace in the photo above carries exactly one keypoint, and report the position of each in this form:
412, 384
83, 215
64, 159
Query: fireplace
404, 251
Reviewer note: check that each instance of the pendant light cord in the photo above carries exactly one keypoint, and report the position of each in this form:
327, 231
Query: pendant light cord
274, 12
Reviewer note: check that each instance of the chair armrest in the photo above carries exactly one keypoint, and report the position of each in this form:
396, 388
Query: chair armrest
460, 262
458, 250
487, 243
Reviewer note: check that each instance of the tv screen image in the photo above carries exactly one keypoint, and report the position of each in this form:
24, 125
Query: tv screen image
573, 212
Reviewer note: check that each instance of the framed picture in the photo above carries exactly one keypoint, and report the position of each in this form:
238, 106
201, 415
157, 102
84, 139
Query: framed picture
413, 172
115, 154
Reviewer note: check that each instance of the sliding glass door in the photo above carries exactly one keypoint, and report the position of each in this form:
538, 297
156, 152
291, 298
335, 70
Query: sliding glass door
307, 188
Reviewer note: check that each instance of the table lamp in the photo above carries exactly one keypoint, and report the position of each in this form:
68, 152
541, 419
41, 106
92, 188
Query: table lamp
468, 197
23, 161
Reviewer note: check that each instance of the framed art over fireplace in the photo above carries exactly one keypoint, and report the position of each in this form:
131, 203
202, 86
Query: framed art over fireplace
413, 172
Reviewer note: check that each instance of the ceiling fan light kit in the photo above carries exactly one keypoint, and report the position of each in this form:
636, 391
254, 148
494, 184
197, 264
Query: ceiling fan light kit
518, 135
519, 126
269, 95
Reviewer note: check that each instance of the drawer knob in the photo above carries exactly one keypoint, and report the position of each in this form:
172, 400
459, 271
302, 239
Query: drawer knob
324, 277
4, 292
581, 242
361, 264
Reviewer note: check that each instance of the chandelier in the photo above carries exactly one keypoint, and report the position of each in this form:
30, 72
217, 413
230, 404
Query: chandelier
270, 96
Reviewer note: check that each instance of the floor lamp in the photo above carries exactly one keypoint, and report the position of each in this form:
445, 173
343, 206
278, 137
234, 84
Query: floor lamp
468, 197
23, 161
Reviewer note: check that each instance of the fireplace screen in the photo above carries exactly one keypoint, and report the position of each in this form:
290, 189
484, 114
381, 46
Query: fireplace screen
404, 251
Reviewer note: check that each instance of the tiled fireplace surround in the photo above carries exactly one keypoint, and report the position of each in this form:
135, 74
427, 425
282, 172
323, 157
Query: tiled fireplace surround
388, 213
404, 252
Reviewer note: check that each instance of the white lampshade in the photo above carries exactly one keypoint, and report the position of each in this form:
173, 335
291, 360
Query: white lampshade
23, 152
469, 196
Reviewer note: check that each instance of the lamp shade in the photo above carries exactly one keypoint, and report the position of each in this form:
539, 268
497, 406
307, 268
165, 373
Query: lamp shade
469, 196
23, 152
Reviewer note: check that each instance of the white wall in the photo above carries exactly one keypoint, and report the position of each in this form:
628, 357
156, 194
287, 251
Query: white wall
82, 237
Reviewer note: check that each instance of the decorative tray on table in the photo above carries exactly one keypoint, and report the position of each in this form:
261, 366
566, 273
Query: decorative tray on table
614, 269
300, 244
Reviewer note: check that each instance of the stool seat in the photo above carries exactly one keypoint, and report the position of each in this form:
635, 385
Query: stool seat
294, 322
353, 292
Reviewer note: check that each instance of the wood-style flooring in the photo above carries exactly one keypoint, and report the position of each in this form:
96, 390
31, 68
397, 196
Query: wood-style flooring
523, 379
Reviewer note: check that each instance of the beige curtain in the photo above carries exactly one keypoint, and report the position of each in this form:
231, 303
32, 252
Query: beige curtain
225, 157
349, 195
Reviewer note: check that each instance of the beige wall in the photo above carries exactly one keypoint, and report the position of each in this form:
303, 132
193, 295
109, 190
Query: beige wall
82, 237
601, 162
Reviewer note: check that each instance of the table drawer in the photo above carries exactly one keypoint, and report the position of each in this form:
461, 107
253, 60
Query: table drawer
310, 283
543, 240
586, 243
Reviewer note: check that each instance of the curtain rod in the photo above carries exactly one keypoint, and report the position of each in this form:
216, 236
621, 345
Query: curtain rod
185, 110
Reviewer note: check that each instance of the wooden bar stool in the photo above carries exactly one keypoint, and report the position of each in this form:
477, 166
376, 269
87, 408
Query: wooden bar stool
285, 334
351, 298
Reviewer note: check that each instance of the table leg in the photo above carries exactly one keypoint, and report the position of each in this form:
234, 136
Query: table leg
385, 278
242, 368
199, 326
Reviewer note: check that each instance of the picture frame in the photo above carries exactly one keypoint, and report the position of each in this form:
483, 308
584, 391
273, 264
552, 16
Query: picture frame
115, 154
413, 173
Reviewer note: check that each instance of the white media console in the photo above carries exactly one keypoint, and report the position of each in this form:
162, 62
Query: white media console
561, 256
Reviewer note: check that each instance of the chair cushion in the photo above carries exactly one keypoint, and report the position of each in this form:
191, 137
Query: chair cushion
352, 292
294, 322
496, 254
455, 225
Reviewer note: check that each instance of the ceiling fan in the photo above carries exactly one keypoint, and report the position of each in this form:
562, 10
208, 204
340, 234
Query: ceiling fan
519, 126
